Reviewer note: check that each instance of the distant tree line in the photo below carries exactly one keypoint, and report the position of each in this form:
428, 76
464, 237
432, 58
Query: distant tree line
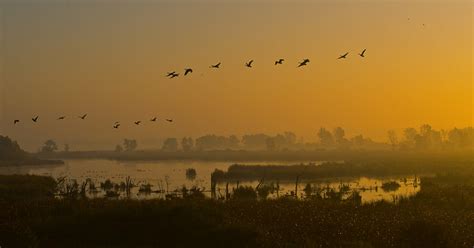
423, 138
428, 138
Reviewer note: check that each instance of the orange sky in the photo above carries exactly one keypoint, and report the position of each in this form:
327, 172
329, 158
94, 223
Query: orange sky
109, 60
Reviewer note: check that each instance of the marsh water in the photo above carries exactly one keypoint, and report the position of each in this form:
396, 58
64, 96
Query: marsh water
170, 176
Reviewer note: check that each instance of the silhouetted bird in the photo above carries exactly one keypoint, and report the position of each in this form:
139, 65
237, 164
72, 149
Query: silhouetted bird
154, 119
116, 126
174, 75
280, 61
62, 118
83, 117
15, 122
187, 71
35, 119
362, 54
343, 56
169, 74
169, 120
216, 65
137, 123
305, 62
249, 64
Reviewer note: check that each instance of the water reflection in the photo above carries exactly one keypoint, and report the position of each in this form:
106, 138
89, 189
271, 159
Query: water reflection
159, 179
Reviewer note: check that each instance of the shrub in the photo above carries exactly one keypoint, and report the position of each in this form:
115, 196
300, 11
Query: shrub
245, 193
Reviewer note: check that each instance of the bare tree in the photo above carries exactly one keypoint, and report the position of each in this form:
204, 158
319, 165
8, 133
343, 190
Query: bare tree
392, 137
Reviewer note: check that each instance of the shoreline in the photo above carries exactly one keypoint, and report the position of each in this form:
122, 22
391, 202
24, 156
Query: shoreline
30, 162
237, 156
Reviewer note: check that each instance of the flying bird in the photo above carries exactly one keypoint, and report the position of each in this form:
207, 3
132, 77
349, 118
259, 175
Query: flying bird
116, 126
343, 56
15, 122
83, 117
249, 64
169, 120
137, 123
154, 119
35, 119
62, 118
279, 62
174, 75
305, 62
187, 71
362, 53
169, 74
216, 65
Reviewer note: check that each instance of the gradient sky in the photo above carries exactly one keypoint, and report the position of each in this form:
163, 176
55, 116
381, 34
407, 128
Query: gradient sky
109, 59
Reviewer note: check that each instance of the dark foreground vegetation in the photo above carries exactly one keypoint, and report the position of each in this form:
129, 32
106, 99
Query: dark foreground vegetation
440, 215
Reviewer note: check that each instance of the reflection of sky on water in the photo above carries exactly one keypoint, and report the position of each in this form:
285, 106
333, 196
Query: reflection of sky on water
173, 173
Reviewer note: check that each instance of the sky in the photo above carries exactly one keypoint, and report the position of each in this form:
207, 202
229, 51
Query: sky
109, 59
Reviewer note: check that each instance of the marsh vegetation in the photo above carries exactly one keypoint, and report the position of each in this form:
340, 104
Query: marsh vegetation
368, 199
440, 214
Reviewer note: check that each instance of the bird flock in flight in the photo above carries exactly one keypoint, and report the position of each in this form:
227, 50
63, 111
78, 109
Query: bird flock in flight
248, 64
187, 71
116, 125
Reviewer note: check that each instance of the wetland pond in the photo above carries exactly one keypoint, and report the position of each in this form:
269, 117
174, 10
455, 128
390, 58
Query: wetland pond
162, 178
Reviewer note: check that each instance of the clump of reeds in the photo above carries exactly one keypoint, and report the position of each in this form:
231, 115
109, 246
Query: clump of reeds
193, 193
112, 194
92, 187
145, 188
244, 193
191, 173
263, 191
107, 185
390, 186
68, 188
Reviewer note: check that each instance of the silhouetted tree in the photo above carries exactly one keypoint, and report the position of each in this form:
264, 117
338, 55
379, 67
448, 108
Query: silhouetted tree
325, 137
339, 138
214, 142
49, 146
118, 148
392, 137
339, 134
271, 146
170, 145
290, 139
255, 141
461, 138
10, 150
411, 135
233, 142
130, 145
358, 140
187, 144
